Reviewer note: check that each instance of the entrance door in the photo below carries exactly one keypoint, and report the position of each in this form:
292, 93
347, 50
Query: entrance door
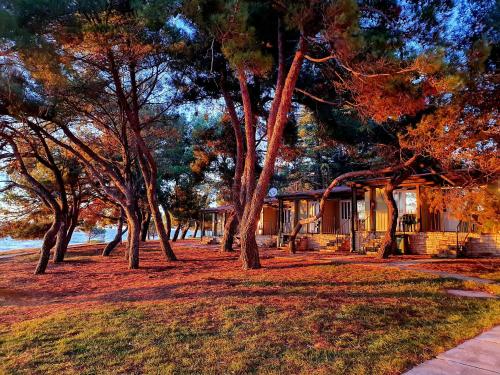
345, 216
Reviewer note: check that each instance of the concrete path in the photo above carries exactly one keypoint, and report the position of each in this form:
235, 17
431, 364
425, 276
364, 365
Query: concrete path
479, 356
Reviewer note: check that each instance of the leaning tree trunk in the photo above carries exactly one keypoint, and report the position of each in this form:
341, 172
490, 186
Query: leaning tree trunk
149, 173
70, 231
118, 238
196, 227
292, 247
249, 248
176, 233
60, 249
389, 245
229, 232
276, 124
185, 230
145, 227
168, 222
49, 240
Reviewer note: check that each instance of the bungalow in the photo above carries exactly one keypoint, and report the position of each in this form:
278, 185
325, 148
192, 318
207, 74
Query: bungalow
213, 220
341, 228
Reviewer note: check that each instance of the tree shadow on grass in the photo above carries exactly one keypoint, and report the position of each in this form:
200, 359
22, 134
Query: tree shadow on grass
235, 288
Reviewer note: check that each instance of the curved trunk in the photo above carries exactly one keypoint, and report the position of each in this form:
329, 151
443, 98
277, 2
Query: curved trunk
292, 248
196, 227
168, 222
145, 226
176, 233
229, 231
149, 173
49, 240
249, 249
69, 233
61, 243
185, 230
117, 240
389, 245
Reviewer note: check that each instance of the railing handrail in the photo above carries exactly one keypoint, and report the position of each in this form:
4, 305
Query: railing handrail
470, 228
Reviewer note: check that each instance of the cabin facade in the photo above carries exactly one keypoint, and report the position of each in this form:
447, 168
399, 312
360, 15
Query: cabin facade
356, 218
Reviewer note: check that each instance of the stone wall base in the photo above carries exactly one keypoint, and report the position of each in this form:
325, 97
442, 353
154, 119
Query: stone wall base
435, 243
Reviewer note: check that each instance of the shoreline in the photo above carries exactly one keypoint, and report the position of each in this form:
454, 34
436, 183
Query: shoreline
4, 254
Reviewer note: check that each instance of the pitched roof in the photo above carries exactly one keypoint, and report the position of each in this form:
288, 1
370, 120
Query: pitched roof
338, 190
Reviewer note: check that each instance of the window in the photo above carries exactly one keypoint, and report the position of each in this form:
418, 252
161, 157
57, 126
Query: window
313, 211
411, 202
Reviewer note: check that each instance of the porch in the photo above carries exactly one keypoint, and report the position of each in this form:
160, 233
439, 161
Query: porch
332, 232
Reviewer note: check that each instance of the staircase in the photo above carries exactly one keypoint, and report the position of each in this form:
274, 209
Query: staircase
371, 243
340, 245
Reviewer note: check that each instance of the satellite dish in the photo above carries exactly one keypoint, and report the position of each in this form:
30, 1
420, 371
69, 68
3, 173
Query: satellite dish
272, 192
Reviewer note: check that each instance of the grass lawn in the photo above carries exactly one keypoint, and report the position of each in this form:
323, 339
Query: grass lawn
203, 315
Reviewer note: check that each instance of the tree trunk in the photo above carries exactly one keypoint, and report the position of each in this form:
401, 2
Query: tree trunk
185, 230
168, 222
148, 169
389, 245
134, 236
196, 227
69, 233
229, 231
118, 238
49, 240
60, 249
128, 242
255, 197
292, 248
176, 233
145, 227
249, 249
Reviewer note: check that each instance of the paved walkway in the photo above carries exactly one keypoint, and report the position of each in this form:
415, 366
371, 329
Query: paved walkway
479, 356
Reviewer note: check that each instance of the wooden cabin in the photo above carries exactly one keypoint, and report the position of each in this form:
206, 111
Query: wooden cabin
420, 230
213, 220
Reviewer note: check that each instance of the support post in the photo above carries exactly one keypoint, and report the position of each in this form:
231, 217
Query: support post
202, 225
214, 218
373, 213
296, 208
419, 210
280, 222
354, 214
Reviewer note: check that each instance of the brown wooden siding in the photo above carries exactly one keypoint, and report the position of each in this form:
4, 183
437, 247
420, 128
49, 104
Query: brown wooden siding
330, 216
270, 222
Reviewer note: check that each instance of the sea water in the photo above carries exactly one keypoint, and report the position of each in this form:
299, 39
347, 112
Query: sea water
7, 243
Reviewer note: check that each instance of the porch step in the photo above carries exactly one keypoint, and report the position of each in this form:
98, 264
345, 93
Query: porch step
342, 245
373, 244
